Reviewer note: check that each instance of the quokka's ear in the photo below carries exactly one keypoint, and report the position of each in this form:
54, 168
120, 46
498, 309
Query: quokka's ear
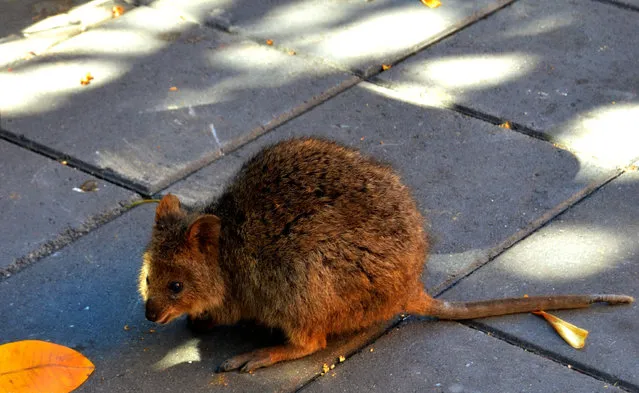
204, 232
169, 204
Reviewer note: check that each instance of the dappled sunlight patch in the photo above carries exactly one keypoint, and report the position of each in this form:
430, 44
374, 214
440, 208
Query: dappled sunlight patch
47, 87
47, 82
298, 17
479, 71
540, 25
53, 24
610, 134
565, 253
257, 67
187, 352
120, 42
412, 94
385, 31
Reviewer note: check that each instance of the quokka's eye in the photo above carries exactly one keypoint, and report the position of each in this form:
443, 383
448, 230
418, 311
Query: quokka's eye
176, 287
147, 280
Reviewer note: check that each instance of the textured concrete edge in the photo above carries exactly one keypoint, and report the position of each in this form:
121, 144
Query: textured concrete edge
68, 236
257, 132
453, 29
523, 233
552, 356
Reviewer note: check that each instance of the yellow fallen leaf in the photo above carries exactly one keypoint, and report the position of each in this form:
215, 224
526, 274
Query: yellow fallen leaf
40, 366
269, 42
573, 335
432, 3
386, 67
342, 359
173, 88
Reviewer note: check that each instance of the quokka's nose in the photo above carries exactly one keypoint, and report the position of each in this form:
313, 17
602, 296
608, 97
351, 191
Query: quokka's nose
150, 313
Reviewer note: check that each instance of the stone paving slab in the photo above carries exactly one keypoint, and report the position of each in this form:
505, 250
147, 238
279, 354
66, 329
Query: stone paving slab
592, 248
29, 27
354, 34
566, 69
166, 97
38, 202
85, 297
445, 357
478, 184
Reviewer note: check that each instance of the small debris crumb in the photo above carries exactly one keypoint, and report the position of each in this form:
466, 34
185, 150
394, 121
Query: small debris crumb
508, 125
86, 79
117, 11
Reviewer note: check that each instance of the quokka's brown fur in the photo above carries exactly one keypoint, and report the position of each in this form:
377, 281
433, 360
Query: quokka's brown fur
311, 237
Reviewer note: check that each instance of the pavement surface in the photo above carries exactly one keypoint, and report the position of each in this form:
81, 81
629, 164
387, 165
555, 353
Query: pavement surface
514, 122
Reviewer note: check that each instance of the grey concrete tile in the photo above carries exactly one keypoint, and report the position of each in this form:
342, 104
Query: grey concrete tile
30, 27
85, 297
356, 34
38, 201
477, 184
447, 357
130, 121
566, 68
592, 248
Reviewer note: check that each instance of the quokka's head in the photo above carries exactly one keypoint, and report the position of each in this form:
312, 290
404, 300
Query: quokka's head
180, 272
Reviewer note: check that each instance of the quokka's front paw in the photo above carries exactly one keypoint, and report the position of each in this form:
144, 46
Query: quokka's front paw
247, 362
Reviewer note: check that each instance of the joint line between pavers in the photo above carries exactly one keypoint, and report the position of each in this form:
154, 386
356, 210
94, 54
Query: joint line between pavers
58, 156
552, 356
619, 4
523, 233
67, 237
475, 114
383, 332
